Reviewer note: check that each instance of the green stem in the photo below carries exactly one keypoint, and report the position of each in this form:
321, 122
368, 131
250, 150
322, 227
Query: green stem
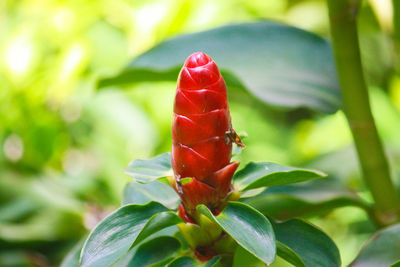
396, 27
374, 165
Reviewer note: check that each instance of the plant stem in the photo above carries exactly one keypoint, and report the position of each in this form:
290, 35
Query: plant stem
374, 165
396, 27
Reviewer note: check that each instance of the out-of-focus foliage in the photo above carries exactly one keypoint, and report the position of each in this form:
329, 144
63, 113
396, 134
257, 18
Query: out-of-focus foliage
271, 63
64, 145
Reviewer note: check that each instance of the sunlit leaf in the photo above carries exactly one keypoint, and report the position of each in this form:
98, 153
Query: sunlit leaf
247, 227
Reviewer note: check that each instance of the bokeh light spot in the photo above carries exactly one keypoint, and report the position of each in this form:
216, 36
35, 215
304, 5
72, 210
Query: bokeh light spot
19, 56
13, 148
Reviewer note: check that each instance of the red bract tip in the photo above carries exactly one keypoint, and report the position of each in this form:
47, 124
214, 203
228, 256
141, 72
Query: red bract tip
197, 59
201, 125
201, 72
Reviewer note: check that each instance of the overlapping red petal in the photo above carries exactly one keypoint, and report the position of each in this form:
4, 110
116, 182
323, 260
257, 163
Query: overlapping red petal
200, 149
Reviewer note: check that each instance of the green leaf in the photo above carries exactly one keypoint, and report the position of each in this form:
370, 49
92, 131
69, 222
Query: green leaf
278, 64
289, 255
249, 228
261, 174
114, 235
244, 258
183, 262
156, 223
186, 261
315, 197
312, 245
72, 258
156, 250
125, 260
137, 193
149, 170
220, 261
381, 250
396, 264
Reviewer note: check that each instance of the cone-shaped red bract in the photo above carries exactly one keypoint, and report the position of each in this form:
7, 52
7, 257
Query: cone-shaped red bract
201, 131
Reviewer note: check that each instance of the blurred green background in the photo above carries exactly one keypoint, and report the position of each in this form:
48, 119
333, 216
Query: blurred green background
64, 144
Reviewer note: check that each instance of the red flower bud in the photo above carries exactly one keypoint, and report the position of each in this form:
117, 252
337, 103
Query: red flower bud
202, 136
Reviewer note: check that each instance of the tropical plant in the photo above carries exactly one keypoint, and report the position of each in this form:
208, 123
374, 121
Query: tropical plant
215, 228
188, 213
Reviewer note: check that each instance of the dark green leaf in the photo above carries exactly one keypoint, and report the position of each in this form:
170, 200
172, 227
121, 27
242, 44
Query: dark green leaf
220, 261
184, 262
315, 197
114, 235
381, 250
248, 227
156, 250
289, 255
137, 193
278, 64
312, 245
261, 174
149, 170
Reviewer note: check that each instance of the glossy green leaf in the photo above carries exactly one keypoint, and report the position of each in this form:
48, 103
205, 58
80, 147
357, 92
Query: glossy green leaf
312, 245
155, 251
382, 249
138, 193
312, 198
156, 223
247, 227
396, 264
278, 64
261, 174
125, 260
114, 235
289, 255
149, 170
